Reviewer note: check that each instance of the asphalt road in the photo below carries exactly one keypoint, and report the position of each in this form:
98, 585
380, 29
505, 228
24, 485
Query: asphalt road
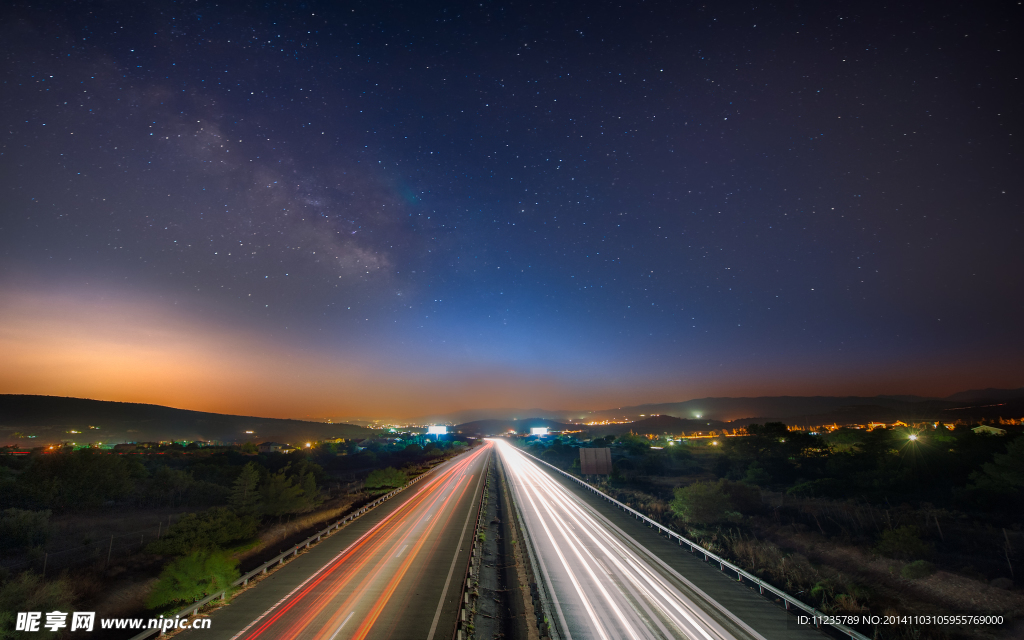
604, 584
394, 573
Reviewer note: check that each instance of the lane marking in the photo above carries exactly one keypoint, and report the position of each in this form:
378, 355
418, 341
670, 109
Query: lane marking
399, 554
347, 618
448, 580
333, 564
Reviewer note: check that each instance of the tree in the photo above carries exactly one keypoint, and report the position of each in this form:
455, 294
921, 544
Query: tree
212, 529
703, 503
245, 497
21, 529
280, 495
389, 478
193, 577
79, 479
757, 475
169, 485
311, 498
634, 445
1006, 471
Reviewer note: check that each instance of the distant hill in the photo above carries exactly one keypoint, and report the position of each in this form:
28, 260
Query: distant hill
985, 404
484, 428
995, 395
50, 418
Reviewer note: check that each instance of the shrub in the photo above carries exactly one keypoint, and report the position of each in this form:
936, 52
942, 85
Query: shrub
193, 577
29, 592
20, 529
208, 530
703, 503
917, 569
389, 478
757, 475
903, 543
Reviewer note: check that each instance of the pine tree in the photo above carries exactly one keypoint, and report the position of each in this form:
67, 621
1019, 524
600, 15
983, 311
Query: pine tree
245, 497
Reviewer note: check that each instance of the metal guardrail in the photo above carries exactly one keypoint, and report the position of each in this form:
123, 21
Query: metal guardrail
543, 596
723, 564
193, 609
460, 623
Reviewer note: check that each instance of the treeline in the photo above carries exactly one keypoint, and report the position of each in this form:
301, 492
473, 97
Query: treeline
955, 468
87, 478
919, 501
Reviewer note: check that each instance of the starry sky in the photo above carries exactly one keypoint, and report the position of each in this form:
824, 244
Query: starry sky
312, 209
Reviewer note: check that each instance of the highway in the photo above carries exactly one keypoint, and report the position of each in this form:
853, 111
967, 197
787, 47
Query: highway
396, 572
603, 584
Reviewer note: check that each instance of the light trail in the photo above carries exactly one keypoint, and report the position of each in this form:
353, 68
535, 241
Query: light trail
606, 584
361, 580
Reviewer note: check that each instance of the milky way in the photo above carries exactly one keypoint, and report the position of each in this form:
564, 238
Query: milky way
385, 208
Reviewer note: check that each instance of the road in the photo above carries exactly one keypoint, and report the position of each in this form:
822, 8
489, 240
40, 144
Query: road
603, 584
394, 573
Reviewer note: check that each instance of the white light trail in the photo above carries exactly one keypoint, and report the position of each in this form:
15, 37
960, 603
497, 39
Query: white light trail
607, 585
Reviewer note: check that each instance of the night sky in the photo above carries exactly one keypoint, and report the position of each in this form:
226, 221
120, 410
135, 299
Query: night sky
391, 209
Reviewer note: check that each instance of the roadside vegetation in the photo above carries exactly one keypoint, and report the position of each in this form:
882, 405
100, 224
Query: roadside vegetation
223, 501
853, 521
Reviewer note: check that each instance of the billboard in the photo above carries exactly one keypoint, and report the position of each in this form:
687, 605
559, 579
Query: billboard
436, 431
595, 461
538, 431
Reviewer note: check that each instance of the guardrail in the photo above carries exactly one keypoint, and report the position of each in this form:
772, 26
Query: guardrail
723, 564
460, 624
193, 609
544, 599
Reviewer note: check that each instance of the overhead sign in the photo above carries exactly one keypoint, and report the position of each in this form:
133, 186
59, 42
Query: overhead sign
595, 461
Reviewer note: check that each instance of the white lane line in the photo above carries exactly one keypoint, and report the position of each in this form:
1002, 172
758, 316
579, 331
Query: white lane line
374, 528
448, 580
575, 545
631, 559
399, 554
558, 493
338, 630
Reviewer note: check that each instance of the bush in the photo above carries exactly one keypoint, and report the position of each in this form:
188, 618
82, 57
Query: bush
757, 475
903, 543
21, 529
193, 577
703, 503
917, 569
29, 592
208, 530
390, 478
